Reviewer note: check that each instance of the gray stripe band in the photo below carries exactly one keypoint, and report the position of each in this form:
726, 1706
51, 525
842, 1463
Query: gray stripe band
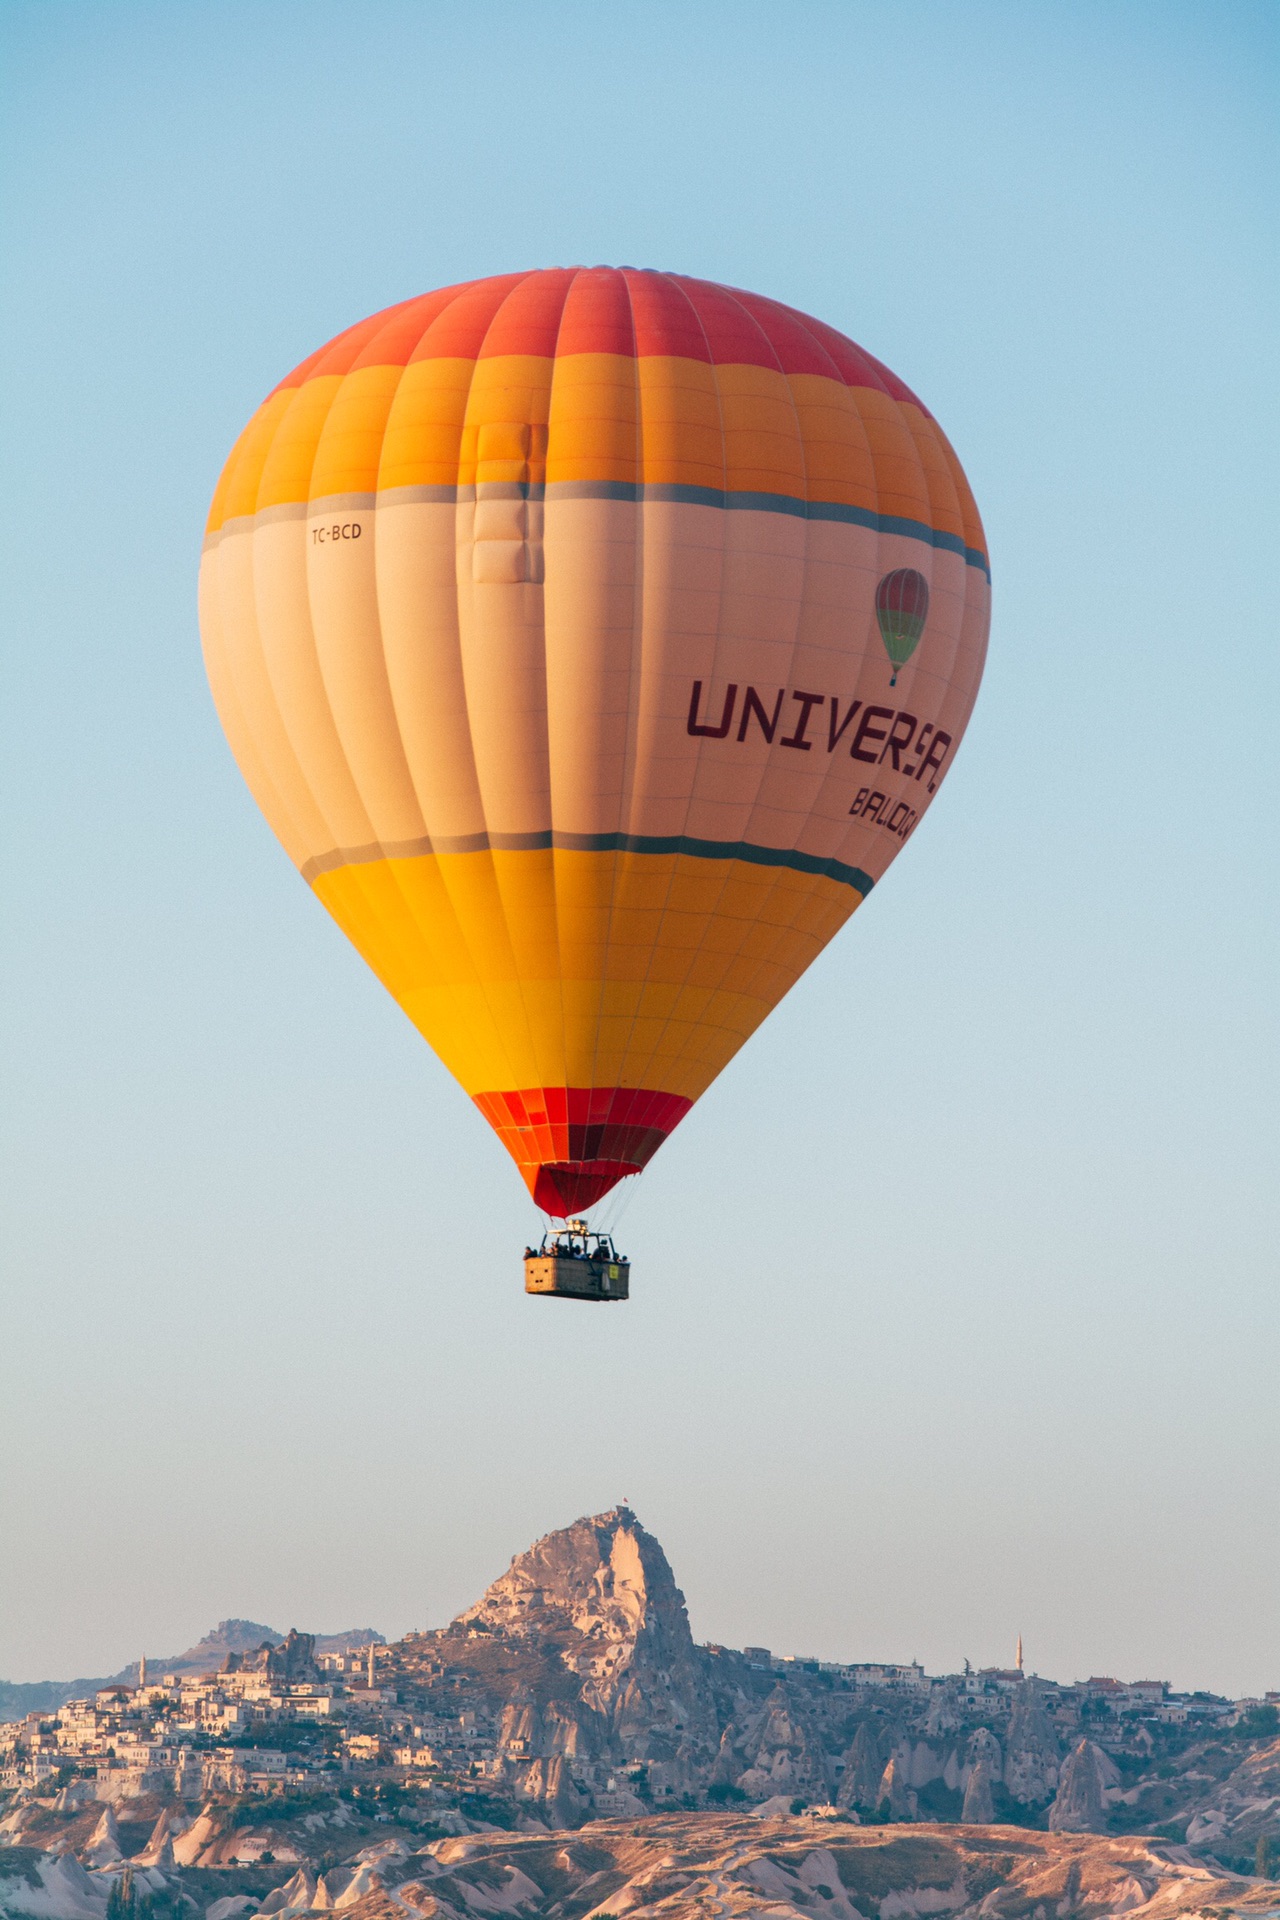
624, 490
744, 850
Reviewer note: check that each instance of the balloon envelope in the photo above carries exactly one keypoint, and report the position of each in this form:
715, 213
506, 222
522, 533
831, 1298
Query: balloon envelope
542, 616
902, 607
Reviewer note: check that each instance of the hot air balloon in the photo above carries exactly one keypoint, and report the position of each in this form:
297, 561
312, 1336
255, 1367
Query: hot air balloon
902, 607
543, 614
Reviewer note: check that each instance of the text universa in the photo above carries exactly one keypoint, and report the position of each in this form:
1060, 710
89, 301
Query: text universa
916, 751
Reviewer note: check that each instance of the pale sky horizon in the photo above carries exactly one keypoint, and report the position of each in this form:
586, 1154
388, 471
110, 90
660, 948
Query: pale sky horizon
954, 1303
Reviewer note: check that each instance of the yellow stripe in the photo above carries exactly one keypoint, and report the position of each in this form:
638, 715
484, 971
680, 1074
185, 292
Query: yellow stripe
597, 417
577, 969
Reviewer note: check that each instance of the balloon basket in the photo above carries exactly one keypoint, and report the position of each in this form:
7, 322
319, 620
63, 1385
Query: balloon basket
574, 1263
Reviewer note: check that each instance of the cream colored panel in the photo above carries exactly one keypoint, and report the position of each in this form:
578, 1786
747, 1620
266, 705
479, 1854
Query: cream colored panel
500, 627
236, 648
227, 702
805, 781
841, 655
764, 571
283, 605
418, 604
682, 563
344, 614
592, 654
937, 689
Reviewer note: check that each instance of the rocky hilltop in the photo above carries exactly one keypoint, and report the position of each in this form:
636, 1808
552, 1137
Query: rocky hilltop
18, 1697
582, 1658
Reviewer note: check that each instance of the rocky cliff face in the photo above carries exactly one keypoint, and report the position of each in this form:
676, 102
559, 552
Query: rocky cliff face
290, 1660
601, 1595
1031, 1750
1079, 1806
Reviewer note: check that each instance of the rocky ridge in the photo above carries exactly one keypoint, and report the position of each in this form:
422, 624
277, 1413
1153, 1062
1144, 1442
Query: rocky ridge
690, 1867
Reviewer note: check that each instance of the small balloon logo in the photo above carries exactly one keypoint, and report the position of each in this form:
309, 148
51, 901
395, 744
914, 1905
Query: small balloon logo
902, 607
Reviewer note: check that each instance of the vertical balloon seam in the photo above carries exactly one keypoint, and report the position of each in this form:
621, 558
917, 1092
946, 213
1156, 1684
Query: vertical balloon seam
854, 414
249, 660
975, 581
449, 877
307, 768
625, 809
620, 877
618, 865
651, 1109
411, 898
623, 1075
239, 552
552, 887
317, 794
363, 883
772, 962
516, 1077
946, 485
559, 868
556, 903
221, 676
601, 945
391, 761
497, 1024
929, 561
884, 559
899, 405
726, 876
379, 910
536, 1051
371, 889
299, 404
671, 280
604, 946
768, 960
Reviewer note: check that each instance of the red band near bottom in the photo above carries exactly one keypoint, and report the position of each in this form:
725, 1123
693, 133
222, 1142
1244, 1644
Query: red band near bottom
572, 1144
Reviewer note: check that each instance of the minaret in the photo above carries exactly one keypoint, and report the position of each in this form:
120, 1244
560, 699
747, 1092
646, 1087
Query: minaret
1019, 1653
370, 1670
142, 1673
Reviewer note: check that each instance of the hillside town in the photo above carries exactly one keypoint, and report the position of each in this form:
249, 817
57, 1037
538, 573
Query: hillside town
572, 1693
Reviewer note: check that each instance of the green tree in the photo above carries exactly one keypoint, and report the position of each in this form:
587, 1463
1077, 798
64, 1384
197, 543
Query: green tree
122, 1901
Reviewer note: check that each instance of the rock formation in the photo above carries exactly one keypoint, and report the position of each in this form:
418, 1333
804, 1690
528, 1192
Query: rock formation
983, 1750
290, 1660
1078, 1806
979, 1806
602, 1594
944, 1713
863, 1767
104, 1848
1031, 1750
593, 1621
894, 1792
787, 1753
158, 1851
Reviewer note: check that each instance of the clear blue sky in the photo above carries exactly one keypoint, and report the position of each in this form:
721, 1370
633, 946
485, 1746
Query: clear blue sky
955, 1306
